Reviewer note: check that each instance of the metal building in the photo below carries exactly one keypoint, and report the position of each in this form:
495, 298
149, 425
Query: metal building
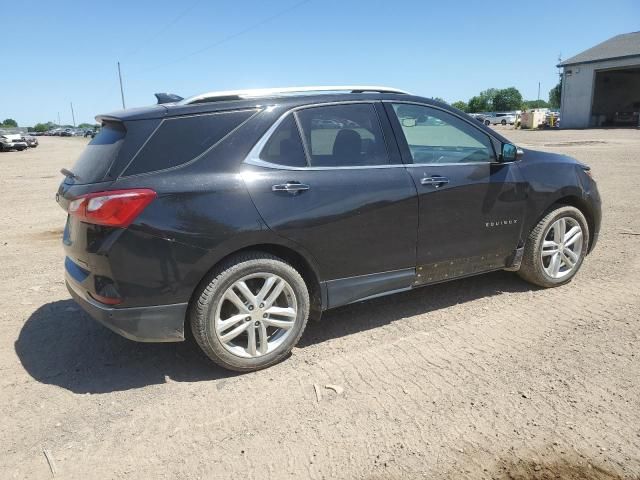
601, 86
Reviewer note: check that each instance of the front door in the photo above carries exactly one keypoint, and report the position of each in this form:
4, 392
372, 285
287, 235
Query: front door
325, 180
471, 206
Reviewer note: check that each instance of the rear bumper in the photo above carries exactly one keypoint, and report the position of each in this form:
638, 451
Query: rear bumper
158, 323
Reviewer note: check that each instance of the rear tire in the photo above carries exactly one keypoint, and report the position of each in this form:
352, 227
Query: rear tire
556, 248
487, 122
235, 320
503, 122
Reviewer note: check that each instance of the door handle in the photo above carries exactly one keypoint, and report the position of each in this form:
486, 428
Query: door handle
436, 181
290, 187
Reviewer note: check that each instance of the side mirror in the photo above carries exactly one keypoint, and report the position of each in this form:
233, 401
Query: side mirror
511, 153
409, 122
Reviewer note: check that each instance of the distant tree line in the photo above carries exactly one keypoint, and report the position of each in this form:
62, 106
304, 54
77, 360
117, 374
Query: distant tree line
44, 127
8, 123
506, 99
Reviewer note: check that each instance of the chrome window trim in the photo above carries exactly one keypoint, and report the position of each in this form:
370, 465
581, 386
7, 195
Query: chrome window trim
253, 158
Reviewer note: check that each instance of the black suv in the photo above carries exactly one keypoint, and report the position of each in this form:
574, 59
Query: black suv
244, 213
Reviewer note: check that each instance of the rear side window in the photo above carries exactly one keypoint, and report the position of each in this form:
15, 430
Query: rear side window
99, 154
343, 135
182, 139
285, 146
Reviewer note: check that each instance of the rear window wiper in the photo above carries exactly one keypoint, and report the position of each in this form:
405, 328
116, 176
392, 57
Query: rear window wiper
69, 174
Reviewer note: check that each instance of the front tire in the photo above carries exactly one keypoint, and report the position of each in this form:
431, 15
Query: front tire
487, 122
250, 312
556, 248
503, 122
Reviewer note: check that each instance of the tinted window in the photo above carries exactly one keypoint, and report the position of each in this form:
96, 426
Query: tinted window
180, 140
435, 136
99, 154
343, 135
285, 146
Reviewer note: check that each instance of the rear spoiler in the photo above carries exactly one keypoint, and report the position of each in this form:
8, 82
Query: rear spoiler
167, 98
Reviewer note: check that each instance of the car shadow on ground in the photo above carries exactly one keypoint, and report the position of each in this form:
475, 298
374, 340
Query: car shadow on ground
61, 345
381, 311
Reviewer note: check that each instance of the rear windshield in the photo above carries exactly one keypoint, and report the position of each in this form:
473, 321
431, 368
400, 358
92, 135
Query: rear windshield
98, 156
182, 139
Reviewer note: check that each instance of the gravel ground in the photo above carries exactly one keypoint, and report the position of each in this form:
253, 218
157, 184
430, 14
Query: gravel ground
480, 378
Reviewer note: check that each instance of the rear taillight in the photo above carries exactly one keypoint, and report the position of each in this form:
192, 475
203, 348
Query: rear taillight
117, 208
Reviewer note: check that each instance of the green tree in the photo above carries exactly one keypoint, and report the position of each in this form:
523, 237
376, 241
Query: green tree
507, 99
43, 127
460, 105
483, 102
535, 104
9, 122
85, 126
478, 104
438, 99
555, 95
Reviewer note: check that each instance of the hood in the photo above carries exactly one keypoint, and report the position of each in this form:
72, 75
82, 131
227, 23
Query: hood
547, 157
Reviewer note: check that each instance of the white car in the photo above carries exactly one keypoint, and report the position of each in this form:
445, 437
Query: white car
499, 118
12, 142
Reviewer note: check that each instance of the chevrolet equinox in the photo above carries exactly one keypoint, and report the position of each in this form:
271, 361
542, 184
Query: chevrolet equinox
243, 213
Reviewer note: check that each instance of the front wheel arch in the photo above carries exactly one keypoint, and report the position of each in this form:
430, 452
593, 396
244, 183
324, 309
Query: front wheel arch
570, 201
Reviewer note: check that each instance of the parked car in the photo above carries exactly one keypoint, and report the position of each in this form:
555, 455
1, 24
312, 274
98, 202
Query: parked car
628, 117
241, 215
499, 118
90, 132
30, 140
67, 132
477, 116
12, 141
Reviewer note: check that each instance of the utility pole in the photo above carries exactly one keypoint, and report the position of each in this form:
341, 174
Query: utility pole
58, 118
538, 90
121, 89
73, 116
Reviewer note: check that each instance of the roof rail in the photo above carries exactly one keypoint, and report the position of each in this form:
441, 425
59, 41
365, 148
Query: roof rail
267, 92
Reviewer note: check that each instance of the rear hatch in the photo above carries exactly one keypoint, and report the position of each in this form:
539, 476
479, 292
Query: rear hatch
96, 220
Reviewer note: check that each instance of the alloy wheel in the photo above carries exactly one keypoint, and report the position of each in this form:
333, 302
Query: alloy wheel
562, 247
255, 315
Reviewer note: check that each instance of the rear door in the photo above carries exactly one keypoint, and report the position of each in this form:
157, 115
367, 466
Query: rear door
471, 206
328, 178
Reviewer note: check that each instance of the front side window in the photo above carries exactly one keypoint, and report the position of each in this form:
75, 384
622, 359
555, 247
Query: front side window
343, 135
437, 137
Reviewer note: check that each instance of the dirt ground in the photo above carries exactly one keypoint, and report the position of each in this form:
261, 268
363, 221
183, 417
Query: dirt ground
480, 378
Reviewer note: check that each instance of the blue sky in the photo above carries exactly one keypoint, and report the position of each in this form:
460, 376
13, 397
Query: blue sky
66, 51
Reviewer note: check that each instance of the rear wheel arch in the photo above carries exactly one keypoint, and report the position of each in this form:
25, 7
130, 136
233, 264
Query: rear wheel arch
297, 260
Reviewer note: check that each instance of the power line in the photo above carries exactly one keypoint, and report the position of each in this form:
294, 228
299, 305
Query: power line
149, 39
230, 37
108, 91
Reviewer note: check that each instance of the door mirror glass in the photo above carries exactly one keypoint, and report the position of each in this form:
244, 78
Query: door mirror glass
409, 122
510, 153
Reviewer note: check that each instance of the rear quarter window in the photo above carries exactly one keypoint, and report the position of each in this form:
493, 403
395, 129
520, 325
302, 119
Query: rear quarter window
180, 140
